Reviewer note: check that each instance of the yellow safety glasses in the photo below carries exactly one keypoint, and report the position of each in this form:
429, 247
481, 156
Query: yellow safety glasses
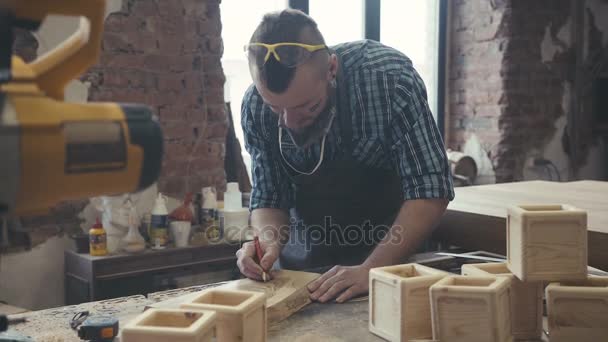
288, 54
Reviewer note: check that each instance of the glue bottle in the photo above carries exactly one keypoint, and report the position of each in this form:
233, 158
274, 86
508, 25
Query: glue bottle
98, 240
159, 223
209, 214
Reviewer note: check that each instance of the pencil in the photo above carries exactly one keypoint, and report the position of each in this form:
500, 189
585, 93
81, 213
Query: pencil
260, 255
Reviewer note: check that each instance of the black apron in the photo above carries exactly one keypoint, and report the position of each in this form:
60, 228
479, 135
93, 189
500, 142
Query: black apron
342, 210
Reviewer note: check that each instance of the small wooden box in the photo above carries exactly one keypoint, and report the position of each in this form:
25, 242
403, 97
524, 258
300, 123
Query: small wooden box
399, 305
241, 314
547, 242
578, 310
160, 325
471, 309
526, 299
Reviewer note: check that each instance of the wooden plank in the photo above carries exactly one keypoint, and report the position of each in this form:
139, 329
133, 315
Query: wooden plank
476, 218
286, 293
492, 200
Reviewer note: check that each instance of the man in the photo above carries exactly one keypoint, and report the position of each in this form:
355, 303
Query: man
349, 169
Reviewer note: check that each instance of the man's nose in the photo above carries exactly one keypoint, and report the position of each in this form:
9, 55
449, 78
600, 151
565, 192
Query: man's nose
290, 118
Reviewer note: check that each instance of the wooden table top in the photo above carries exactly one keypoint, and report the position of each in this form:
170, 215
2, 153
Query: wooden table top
492, 200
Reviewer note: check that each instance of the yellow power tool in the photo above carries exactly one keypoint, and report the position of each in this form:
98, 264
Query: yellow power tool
52, 151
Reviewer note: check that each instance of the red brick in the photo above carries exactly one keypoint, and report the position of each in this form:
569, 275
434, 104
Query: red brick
215, 78
194, 80
212, 148
174, 112
216, 131
143, 79
120, 60
171, 9
170, 45
209, 27
145, 8
191, 44
119, 22
115, 78
196, 9
215, 46
197, 116
176, 129
216, 113
173, 186
157, 63
116, 42
171, 82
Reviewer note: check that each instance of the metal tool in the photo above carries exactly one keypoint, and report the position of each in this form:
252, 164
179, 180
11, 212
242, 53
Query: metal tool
97, 328
53, 150
11, 336
591, 270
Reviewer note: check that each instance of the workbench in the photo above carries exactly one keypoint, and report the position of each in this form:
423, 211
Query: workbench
476, 218
316, 322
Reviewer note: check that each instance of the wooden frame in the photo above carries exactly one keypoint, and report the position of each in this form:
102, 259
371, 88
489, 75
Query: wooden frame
241, 314
578, 310
547, 242
466, 309
526, 299
399, 304
159, 325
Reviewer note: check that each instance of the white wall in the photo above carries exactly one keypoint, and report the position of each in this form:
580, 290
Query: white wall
34, 279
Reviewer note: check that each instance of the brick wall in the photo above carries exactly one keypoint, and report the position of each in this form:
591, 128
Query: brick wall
166, 54
502, 88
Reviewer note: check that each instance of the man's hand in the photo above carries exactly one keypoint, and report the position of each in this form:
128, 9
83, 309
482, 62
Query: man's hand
345, 281
246, 259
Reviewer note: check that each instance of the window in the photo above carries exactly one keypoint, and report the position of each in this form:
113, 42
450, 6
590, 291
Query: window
412, 27
239, 20
339, 20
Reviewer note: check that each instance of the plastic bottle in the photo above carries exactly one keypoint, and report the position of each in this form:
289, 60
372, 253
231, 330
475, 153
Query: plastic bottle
159, 223
209, 214
133, 242
98, 240
233, 199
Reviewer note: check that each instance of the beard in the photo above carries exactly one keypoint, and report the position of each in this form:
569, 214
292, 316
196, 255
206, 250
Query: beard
314, 132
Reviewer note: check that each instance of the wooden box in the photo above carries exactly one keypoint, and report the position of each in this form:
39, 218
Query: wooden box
526, 299
547, 242
399, 304
578, 310
160, 325
471, 309
241, 314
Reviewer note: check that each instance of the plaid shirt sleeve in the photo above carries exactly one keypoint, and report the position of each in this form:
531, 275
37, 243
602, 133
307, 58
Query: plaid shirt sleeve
271, 186
417, 148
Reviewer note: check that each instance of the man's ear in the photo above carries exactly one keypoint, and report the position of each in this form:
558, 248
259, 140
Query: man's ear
332, 70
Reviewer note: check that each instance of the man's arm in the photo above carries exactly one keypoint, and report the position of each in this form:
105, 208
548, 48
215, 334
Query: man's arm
270, 196
413, 225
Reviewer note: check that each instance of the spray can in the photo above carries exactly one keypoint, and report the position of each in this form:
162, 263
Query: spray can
159, 223
98, 240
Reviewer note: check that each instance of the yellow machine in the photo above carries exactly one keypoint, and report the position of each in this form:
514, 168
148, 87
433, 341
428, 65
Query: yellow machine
52, 150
